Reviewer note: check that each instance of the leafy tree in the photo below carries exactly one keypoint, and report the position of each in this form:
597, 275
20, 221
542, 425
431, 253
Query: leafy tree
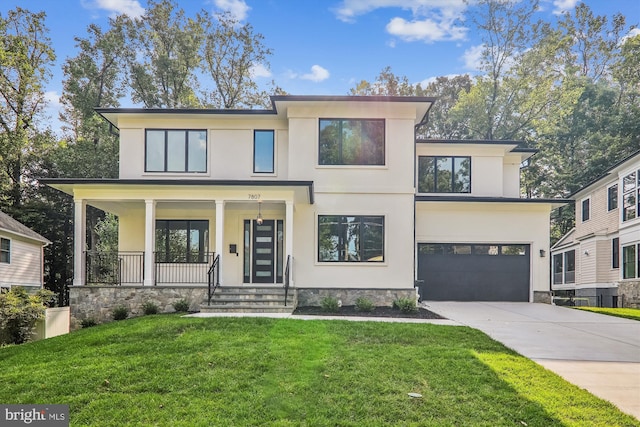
442, 124
387, 84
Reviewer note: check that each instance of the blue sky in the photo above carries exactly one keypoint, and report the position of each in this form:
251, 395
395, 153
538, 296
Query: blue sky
321, 46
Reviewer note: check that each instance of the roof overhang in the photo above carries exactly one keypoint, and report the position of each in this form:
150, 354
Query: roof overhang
508, 146
555, 203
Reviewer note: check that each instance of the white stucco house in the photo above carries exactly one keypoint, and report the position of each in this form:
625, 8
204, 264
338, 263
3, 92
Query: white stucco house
21, 255
598, 262
328, 195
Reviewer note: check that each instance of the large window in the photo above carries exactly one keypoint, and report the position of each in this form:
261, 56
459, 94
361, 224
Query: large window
631, 261
175, 150
5, 251
631, 196
263, 149
350, 238
564, 268
612, 197
444, 174
351, 142
183, 241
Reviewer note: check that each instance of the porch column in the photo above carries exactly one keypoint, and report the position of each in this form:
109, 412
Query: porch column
79, 241
289, 237
149, 241
219, 250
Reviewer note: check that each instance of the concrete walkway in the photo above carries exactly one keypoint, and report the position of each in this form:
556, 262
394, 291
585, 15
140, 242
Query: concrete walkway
596, 352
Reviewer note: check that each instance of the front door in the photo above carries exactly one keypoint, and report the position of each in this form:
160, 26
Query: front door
263, 252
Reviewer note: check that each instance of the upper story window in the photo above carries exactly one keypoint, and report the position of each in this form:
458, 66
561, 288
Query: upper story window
438, 174
263, 151
5, 251
612, 197
564, 268
352, 142
630, 196
586, 209
350, 238
175, 150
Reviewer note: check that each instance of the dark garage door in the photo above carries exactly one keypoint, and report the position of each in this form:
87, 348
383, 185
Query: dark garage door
473, 272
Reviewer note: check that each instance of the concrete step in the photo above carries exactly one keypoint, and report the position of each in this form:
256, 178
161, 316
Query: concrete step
250, 299
250, 302
243, 308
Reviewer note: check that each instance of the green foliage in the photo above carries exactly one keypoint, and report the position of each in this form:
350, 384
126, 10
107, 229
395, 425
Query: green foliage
88, 322
149, 307
330, 304
406, 305
626, 313
19, 313
364, 304
181, 306
120, 312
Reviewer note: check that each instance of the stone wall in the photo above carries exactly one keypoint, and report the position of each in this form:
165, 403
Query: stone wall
312, 297
98, 302
543, 297
629, 294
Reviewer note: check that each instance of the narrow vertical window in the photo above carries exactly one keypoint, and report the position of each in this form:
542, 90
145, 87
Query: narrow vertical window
263, 151
279, 250
615, 253
586, 209
5, 251
612, 197
247, 251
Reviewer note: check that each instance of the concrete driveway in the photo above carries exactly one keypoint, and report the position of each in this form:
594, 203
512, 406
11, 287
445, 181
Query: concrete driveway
596, 352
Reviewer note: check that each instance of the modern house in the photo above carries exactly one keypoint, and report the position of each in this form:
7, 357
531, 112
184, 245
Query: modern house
21, 255
598, 262
325, 195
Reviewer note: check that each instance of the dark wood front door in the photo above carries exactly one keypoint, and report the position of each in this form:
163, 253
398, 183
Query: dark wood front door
263, 252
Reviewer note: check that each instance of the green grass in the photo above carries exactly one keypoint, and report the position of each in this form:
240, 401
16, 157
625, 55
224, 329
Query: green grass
627, 313
166, 370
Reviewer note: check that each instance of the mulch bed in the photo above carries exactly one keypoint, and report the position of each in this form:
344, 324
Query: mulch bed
350, 310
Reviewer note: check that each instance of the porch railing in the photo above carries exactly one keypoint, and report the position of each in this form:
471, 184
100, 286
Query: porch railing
114, 268
213, 278
287, 278
182, 268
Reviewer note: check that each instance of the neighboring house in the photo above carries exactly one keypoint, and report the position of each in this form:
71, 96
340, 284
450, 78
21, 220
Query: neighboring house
598, 262
21, 254
332, 195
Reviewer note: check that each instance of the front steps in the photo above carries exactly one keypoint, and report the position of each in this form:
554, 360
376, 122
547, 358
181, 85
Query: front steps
250, 299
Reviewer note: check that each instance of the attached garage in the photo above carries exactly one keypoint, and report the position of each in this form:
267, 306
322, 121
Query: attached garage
474, 272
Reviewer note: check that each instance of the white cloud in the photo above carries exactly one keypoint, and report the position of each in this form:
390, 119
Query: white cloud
259, 70
130, 8
53, 99
631, 34
561, 6
426, 82
472, 57
317, 74
432, 20
237, 8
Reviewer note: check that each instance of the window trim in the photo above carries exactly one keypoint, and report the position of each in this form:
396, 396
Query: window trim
352, 165
363, 261
609, 198
186, 151
582, 210
636, 261
5, 251
165, 252
273, 152
633, 192
564, 271
453, 175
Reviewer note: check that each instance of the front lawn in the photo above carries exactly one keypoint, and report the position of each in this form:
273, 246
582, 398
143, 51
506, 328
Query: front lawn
170, 371
627, 313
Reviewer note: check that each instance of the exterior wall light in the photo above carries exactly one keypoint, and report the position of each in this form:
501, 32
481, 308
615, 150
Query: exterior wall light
543, 253
259, 217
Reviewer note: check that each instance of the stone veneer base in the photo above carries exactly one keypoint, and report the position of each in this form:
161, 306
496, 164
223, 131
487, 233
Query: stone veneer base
312, 297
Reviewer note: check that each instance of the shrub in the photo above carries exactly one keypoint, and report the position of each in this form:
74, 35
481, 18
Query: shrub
149, 307
330, 304
19, 313
406, 305
89, 322
121, 312
364, 304
182, 305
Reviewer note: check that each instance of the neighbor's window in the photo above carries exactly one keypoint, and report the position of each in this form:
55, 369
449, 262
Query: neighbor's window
263, 149
438, 174
586, 209
182, 241
350, 238
564, 268
352, 142
5, 251
630, 261
630, 196
612, 197
175, 150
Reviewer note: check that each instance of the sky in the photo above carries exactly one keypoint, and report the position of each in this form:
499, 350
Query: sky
320, 47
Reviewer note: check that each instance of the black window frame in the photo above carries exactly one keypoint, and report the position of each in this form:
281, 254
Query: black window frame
585, 213
612, 197
631, 196
164, 255
5, 252
166, 150
615, 252
273, 150
435, 175
381, 162
343, 254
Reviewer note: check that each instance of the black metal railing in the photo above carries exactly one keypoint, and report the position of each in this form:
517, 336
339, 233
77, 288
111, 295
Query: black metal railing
114, 268
213, 278
182, 268
287, 276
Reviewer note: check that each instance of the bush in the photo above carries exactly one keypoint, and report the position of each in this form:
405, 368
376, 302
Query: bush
121, 312
149, 307
406, 305
330, 304
89, 322
364, 304
181, 305
19, 313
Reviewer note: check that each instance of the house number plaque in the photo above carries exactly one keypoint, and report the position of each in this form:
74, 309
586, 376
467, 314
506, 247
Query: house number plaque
254, 196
